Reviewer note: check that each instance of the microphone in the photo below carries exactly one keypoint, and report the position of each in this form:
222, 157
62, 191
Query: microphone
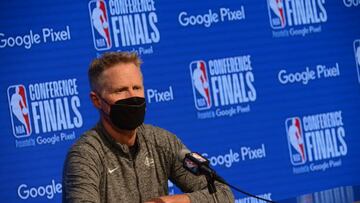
197, 164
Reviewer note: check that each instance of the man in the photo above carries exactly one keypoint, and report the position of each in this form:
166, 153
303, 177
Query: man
121, 159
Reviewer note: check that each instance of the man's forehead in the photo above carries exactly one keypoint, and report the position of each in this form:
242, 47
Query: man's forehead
120, 67
104, 82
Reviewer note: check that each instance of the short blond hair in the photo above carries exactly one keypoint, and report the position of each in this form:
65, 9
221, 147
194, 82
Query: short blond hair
108, 60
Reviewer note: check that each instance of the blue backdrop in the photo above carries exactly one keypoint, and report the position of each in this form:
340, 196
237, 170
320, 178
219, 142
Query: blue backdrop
267, 90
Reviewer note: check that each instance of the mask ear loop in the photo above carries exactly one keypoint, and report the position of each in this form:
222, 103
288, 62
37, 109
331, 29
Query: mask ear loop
106, 102
101, 98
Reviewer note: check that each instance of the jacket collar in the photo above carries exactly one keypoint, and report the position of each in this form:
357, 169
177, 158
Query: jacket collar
123, 148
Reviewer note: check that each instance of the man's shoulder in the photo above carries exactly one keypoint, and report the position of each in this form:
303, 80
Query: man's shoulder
159, 137
155, 132
88, 152
88, 142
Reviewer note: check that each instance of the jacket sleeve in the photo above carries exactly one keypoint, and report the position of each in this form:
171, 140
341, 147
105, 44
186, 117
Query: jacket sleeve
196, 186
81, 176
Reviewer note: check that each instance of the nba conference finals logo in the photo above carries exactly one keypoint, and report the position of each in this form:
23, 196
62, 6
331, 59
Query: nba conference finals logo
317, 142
51, 113
296, 18
124, 25
227, 90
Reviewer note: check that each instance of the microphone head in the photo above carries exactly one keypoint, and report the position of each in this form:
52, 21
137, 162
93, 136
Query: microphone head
183, 152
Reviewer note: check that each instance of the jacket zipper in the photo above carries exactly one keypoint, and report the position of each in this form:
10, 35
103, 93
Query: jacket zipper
136, 177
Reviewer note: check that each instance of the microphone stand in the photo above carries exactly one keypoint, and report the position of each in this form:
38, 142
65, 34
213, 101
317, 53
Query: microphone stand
199, 165
211, 186
211, 177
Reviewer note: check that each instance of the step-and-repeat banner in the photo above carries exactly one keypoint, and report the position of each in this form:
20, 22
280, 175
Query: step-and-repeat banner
268, 91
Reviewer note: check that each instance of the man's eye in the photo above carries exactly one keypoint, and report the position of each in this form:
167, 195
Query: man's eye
120, 90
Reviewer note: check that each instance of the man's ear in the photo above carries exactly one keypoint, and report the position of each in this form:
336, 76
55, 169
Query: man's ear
95, 100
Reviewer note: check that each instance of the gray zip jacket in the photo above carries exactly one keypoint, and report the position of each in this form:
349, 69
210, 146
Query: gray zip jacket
98, 169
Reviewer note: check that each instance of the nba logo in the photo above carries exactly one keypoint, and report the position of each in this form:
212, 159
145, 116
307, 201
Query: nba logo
100, 25
295, 140
357, 56
19, 111
200, 84
276, 14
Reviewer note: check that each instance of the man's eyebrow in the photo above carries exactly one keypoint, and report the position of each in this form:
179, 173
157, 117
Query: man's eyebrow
118, 88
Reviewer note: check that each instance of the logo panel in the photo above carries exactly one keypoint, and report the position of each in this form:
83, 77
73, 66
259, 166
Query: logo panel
124, 25
223, 86
19, 111
296, 18
295, 141
276, 14
322, 136
200, 84
357, 56
55, 112
100, 25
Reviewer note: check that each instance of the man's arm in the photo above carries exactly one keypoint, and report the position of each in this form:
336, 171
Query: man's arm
183, 198
195, 187
81, 177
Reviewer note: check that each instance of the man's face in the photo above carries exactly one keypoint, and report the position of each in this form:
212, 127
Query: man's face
120, 82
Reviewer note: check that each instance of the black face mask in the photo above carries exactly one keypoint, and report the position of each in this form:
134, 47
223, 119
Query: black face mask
128, 114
